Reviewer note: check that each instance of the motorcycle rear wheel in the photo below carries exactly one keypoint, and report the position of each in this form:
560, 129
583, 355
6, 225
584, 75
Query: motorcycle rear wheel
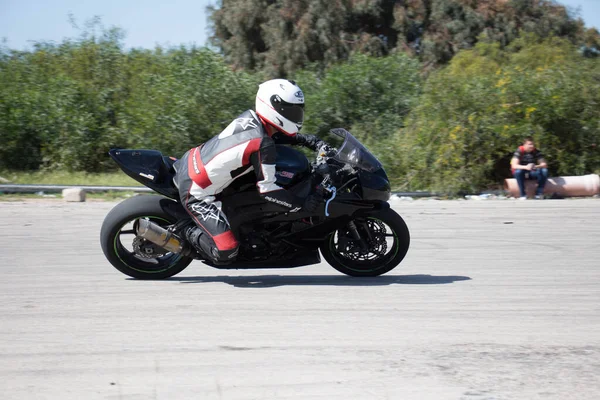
387, 242
117, 235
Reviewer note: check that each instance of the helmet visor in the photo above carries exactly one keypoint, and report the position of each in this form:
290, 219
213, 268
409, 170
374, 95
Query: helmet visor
291, 111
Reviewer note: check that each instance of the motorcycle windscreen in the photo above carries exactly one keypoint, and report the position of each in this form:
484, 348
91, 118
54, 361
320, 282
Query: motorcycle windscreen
354, 153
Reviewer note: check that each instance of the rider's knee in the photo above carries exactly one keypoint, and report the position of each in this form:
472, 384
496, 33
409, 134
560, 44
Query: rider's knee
519, 173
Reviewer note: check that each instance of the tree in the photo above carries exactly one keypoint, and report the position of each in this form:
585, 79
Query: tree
282, 36
447, 26
64, 106
474, 113
370, 96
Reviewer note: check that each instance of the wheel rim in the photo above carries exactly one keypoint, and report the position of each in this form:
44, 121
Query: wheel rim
382, 247
123, 248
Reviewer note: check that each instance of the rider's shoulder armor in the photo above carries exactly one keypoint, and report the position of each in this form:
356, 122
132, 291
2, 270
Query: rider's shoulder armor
245, 127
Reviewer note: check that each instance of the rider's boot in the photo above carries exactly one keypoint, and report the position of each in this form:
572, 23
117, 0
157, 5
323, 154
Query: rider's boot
198, 239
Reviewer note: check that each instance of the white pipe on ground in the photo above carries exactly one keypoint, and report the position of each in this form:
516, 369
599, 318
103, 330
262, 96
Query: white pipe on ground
566, 186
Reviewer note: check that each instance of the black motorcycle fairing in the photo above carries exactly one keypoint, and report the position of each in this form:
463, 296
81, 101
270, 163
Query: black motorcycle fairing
242, 204
175, 209
317, 226
148, 167
374, 185
248, 207
344, 207
298, 259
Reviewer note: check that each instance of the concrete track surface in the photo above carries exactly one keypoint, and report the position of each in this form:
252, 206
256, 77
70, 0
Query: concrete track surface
495, 300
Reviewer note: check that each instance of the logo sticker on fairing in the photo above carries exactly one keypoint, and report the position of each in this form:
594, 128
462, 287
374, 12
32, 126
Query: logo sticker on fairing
299, 94
277, 201
147, 176
285, 174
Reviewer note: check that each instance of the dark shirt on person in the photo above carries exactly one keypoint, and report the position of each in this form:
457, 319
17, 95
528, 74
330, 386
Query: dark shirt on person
528, 158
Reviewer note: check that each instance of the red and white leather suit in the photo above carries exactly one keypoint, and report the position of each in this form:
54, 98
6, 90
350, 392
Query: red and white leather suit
204, 171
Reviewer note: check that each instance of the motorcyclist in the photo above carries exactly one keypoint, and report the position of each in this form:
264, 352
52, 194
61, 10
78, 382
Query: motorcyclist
246, 144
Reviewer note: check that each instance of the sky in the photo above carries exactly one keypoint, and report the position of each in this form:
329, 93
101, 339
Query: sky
146, 23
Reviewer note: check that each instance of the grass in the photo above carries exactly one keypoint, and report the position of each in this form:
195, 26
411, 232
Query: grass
67, 178
102, 196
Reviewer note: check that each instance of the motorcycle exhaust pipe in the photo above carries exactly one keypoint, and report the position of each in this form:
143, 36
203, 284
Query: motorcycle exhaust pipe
159, 236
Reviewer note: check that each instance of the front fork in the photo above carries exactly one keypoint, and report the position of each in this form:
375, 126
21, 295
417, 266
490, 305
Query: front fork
357, 236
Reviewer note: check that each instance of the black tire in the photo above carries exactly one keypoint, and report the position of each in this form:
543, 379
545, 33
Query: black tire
125, 260
379, 264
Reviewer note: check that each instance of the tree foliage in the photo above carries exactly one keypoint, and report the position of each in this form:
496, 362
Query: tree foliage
475, 112
370, 96
65, 105
451, 128
282, 36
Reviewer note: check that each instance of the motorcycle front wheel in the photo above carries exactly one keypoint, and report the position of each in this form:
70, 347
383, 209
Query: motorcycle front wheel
383, 244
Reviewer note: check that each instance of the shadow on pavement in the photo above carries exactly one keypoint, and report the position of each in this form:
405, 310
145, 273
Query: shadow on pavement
320, 280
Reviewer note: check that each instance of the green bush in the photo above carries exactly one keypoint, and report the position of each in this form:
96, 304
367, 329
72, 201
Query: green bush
474, 113
64, 106
367, 95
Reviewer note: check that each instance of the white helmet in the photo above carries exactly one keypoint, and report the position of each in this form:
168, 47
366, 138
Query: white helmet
280, 103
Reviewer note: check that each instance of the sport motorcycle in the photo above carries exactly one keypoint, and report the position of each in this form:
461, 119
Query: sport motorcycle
354, 227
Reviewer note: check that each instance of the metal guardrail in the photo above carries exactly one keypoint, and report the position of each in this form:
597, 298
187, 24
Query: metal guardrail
415, 194
15, 188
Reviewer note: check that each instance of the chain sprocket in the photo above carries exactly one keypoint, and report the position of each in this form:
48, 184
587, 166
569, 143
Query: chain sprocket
146, 249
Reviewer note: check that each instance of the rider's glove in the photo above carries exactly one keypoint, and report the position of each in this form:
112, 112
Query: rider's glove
313, 202
325, 151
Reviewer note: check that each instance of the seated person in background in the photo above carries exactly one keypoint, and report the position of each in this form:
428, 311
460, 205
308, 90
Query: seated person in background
528, 163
